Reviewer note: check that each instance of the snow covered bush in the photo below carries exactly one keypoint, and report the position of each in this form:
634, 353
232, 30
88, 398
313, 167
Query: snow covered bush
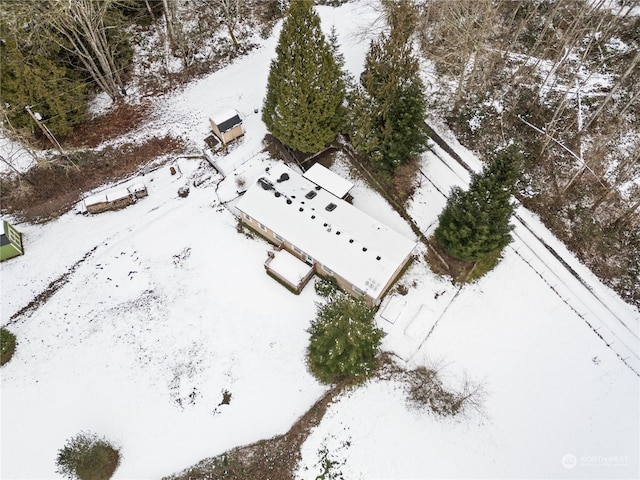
88, 457
7, 345
326, 286
344, 340
425, 388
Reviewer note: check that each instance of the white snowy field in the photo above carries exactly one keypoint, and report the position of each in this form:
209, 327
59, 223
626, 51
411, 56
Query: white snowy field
557, 402
169, 307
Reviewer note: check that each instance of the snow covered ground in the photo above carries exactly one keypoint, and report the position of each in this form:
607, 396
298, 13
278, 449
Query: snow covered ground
168, 307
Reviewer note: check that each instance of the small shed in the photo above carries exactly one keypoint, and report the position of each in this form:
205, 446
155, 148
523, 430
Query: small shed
10, 242
226, 124
326, 179
115, 199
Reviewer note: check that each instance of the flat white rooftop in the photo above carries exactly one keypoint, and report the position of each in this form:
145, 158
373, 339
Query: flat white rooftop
331, 182
359, 248
289, 267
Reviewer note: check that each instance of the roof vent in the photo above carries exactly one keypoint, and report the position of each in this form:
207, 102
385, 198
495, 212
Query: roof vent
301, 209
364, 249
283, 178
276, 193
351, 240
310, 194
331, 207
266, 184
289, 202
378, 257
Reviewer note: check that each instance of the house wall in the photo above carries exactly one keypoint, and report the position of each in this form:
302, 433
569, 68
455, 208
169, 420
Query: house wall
232, 134
98, 207
394, 277
320, 268
227, 136
215, 130
345, 285
8, 251
115, 205
12, 240
141, 193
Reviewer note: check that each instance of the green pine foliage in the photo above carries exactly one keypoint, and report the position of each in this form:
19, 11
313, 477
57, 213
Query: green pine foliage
387, 122
7, 345
88, 457
35, 73
326, 287
303, 107
475, 223
344, 340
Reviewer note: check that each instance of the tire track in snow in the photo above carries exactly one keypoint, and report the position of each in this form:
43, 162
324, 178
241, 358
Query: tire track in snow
435, 324
50, 290
633, 353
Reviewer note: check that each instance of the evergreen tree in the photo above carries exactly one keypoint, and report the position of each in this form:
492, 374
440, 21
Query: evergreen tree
389, 124
303, 107
34, 72
88, 457
475, 224
344, 340
7, 345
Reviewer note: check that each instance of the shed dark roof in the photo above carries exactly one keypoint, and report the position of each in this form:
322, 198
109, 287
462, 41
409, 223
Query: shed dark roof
229, 124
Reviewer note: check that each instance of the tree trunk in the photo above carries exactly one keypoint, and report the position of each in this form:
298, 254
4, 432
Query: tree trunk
631, 69
82, 23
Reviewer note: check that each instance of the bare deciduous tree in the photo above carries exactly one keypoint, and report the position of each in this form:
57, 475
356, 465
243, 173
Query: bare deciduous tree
230, 11
82, 24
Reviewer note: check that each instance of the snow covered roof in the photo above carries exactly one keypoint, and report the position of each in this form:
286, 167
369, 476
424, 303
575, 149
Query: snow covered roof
94, 199
332, 182
137, 187
359, 248
226, 118
289, 267
115, 195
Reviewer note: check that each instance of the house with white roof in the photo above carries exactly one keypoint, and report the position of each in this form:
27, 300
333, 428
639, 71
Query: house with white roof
330, 181
327, 234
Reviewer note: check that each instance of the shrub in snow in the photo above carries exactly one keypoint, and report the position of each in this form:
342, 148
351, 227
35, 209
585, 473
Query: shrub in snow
88, 457
7, 345
426, 389
344, 340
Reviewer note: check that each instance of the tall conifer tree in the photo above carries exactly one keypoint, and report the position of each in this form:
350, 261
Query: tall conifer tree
35, 72
475, 224
303, 107
392, 131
